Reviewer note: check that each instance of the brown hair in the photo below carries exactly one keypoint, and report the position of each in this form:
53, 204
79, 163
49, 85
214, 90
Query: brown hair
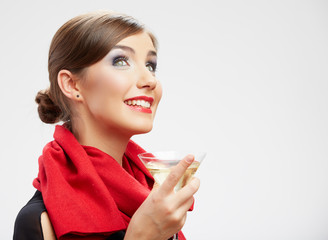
79, 43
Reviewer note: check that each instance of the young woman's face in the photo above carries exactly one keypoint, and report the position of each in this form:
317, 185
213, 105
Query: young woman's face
120, 92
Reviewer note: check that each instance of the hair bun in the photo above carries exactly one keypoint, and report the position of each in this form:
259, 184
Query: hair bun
48, 111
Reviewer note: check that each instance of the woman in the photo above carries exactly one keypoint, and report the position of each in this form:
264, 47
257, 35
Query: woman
91, 184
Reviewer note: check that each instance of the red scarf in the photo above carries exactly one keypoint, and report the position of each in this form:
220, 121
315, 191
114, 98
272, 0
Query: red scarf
86, 192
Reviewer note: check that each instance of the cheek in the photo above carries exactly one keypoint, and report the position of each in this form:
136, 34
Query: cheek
159, 91
105, 86
117, 84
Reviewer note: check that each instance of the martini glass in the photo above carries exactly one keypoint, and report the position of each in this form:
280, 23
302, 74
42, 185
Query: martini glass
159, 165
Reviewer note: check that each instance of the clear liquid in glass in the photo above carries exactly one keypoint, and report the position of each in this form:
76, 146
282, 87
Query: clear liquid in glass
160, 171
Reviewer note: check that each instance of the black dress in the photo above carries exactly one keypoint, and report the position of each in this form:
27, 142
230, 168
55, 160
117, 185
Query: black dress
28, 221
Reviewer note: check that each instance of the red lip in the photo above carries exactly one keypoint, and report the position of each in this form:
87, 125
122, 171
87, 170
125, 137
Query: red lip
138, 108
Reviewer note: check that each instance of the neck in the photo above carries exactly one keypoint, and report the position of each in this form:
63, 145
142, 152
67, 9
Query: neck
106, 140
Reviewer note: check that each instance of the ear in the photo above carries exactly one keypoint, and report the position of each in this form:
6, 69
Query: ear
68, 85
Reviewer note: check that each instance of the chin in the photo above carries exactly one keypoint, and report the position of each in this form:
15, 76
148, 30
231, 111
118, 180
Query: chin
142, 129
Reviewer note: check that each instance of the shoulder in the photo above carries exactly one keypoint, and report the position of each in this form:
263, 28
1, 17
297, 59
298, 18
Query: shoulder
47, 229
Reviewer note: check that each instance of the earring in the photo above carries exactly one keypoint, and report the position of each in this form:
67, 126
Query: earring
77, 95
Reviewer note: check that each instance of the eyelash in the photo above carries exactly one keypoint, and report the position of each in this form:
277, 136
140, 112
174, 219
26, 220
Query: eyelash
117, 59
153, 65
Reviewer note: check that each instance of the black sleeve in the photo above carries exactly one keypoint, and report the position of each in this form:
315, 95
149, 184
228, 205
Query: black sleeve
28, 221
117, 236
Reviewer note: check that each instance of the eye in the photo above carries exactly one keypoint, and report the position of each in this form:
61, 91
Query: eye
151, 66
121, 61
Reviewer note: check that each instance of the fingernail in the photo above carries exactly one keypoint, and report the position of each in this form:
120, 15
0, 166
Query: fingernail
190, 158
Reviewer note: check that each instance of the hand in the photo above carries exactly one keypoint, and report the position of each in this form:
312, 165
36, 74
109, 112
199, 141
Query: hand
164, 212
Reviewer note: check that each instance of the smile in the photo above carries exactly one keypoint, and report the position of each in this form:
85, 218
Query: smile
141, 103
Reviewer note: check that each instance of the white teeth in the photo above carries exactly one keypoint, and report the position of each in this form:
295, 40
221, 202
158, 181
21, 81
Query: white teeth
141, 103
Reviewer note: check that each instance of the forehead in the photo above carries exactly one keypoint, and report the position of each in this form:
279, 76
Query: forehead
140, 41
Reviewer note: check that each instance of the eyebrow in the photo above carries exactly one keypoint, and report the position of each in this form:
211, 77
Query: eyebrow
129, 49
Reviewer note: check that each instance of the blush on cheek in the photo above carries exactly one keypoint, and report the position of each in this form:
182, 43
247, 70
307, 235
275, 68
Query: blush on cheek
119, 83
114, 81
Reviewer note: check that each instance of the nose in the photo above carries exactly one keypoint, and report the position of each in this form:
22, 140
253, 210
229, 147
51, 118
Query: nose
146, 80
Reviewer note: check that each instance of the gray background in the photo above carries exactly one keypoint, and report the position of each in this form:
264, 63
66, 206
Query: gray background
245, 81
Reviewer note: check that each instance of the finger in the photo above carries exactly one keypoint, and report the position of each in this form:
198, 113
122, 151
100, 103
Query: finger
186, 193
182, 211
184, 208
175, 174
